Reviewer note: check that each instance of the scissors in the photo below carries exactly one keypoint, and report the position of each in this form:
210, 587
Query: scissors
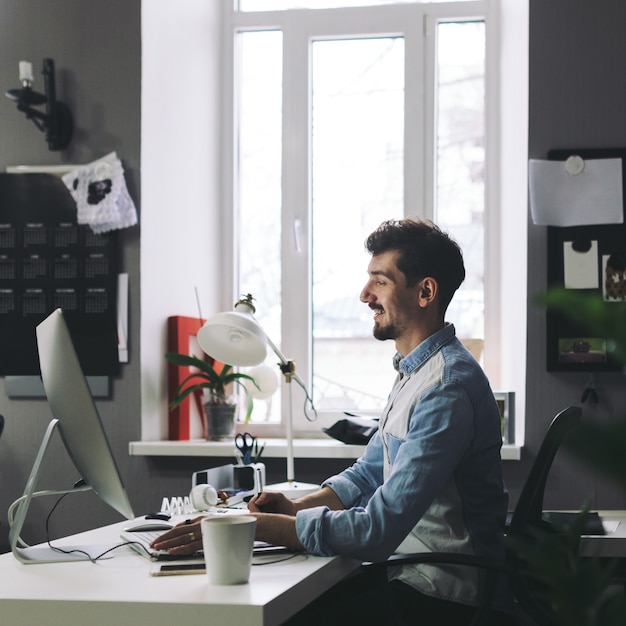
245, 443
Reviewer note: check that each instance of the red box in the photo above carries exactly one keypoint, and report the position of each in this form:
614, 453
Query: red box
181, 333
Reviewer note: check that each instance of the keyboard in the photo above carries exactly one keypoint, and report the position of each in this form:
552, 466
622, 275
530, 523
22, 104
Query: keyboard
140, 541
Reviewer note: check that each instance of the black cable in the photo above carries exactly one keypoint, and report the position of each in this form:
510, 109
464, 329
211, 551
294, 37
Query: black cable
55, 548
122, 545
287, 558
80, 483
94, 559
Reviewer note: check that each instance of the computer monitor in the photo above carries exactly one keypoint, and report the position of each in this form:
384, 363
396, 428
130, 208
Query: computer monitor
76, 418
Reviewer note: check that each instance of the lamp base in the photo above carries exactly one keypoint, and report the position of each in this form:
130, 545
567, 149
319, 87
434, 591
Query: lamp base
293, 489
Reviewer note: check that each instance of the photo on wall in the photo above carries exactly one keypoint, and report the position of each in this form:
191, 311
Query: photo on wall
614, 272
582, 350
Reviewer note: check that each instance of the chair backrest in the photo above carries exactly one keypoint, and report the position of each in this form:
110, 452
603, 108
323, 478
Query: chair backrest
1, 424
530, 503
528, 513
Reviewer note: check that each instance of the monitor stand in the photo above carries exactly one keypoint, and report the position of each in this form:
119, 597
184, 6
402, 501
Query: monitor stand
45, 554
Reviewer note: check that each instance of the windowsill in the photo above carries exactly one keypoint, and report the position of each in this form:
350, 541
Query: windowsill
274, 448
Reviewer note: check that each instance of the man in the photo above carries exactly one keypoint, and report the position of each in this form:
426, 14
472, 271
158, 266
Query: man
431, 478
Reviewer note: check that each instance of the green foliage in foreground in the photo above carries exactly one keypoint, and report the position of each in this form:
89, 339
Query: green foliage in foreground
580, 590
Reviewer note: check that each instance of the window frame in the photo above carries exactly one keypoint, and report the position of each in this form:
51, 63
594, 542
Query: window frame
299, 28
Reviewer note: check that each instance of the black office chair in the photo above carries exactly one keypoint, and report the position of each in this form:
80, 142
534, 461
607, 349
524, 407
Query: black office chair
526, 517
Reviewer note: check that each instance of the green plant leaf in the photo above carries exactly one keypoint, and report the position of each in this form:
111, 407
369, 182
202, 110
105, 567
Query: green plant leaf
215, 382
181, 394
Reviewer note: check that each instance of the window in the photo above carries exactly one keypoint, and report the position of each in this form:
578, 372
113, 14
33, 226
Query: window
343, 118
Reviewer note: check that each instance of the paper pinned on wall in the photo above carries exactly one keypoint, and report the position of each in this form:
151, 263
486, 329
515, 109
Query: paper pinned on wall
101, 195
559, 197
580, 264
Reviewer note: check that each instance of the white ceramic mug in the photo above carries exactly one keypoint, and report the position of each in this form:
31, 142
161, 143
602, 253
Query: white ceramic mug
227, 543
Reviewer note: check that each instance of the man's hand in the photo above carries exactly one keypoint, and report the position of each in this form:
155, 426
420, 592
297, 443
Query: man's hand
184, 538
272, 502
277, 502
275, 519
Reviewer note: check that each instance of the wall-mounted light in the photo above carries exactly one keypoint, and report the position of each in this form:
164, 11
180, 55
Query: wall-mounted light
57, 121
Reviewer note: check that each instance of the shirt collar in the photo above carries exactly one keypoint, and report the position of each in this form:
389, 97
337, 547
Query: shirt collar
420, 354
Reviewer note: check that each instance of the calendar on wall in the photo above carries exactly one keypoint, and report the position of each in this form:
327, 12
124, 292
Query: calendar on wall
49, 261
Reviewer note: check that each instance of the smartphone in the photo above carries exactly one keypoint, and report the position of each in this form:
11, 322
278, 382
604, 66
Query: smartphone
177, 569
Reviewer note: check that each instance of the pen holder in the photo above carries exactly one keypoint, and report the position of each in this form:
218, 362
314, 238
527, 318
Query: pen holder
245, 476
237, 478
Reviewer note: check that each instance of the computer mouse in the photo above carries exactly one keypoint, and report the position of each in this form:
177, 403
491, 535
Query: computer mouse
149, 525
160, 515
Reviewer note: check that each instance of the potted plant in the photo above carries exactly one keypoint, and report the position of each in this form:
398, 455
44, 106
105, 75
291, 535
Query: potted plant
213, 381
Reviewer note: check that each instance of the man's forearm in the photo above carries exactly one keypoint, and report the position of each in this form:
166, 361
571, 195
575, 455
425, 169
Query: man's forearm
280, 528
277, 529
324, 497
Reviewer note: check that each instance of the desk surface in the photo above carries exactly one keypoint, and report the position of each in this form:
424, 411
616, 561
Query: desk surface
121, 591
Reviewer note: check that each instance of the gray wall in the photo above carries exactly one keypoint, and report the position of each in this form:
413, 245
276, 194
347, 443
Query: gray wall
577, 85
577, 99
96, 47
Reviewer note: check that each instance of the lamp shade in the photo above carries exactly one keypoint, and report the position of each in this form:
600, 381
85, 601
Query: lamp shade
266, 382
234, 338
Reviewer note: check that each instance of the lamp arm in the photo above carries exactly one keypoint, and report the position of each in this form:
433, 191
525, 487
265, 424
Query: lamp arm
288, 369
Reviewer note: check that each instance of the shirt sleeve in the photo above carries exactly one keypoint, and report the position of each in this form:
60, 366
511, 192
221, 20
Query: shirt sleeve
378, 514
356, 485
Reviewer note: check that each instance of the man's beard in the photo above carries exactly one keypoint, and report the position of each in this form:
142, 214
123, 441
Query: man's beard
385, 332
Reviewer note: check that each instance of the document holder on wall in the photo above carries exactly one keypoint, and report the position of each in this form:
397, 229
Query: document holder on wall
591, 259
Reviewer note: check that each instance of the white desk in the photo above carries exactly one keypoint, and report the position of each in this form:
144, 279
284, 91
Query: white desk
120, 591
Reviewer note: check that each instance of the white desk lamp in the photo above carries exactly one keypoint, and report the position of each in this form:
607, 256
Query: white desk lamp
235, 337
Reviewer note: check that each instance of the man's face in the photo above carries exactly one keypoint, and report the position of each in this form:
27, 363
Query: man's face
395, 305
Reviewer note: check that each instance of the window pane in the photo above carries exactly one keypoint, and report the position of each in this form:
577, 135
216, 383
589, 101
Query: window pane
357, 182
460, 163
259, 186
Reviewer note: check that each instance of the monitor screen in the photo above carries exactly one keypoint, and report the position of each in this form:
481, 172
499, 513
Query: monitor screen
72, 404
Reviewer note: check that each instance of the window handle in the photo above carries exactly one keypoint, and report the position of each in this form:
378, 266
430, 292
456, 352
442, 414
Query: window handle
297, 235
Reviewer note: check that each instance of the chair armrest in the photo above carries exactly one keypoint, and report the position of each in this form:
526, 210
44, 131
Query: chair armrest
444, 558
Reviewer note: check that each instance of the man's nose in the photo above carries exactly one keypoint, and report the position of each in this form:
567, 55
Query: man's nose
365, 294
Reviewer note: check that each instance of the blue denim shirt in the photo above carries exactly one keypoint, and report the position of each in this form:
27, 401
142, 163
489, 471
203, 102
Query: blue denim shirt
429, 480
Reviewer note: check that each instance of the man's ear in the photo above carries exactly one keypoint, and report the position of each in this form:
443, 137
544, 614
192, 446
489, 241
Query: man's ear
427, 291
